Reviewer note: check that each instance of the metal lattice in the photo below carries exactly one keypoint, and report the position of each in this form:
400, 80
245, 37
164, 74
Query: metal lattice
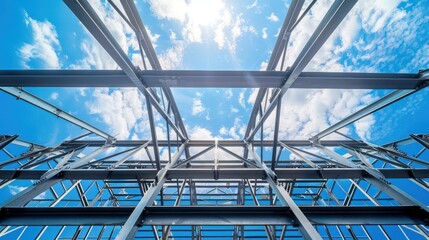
214, 188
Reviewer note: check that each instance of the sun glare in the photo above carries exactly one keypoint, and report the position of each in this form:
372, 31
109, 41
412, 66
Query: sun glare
206, 12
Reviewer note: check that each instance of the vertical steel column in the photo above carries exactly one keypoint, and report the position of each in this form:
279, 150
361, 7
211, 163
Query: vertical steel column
255, 200
130, 227
276, 134
306, 228
153, 132
176, 203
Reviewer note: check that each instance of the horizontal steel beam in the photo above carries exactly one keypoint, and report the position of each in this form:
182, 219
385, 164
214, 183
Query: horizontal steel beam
206, 79
218, 215
231, 173
207, 143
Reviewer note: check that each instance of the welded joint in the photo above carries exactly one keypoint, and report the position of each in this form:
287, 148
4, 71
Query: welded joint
423, 75
423, 84
320, 173
314, 140
374, 173
168, 82
110, 141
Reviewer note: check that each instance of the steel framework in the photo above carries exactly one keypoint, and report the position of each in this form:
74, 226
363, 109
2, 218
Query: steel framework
214, 188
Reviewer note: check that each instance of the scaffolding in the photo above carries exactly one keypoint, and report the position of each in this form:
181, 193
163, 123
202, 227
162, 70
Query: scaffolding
214, 189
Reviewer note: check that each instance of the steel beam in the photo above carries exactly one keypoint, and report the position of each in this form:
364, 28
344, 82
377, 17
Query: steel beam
130, 227
25, 196
207, 79
219, 215
276, 134
207, 143
5, 140
305, 227
423, 140
153, 131
38, 102
204, 173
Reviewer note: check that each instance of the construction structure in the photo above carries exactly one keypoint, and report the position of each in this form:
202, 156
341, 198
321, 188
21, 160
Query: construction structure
333, 189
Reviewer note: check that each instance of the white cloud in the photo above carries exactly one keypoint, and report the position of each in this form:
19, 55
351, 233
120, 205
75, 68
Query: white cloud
197, 105
241, 99
123, 110
420, 60
263, 66
235, 132
13, 189
223, 131
250, 29
228, 93
45, 46
176, 10
172, 36
273, 17
197, 16
305, 113
153, 37
54, 96
396, 39
252, 97
254, 4
82, 91
234, 110
375, 14
198, 132
364, 126
172, 57
95, 57
41, 196
264, 33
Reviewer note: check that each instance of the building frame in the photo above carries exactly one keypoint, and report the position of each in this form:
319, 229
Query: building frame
196, 193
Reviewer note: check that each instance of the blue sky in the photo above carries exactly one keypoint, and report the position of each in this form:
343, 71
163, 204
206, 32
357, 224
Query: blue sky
377, 36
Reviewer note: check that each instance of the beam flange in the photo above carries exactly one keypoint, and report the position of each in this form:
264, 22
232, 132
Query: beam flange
207, 79
219, 215
207, 143
233, 173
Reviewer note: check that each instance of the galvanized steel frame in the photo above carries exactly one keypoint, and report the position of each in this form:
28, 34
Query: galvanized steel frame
268, 192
